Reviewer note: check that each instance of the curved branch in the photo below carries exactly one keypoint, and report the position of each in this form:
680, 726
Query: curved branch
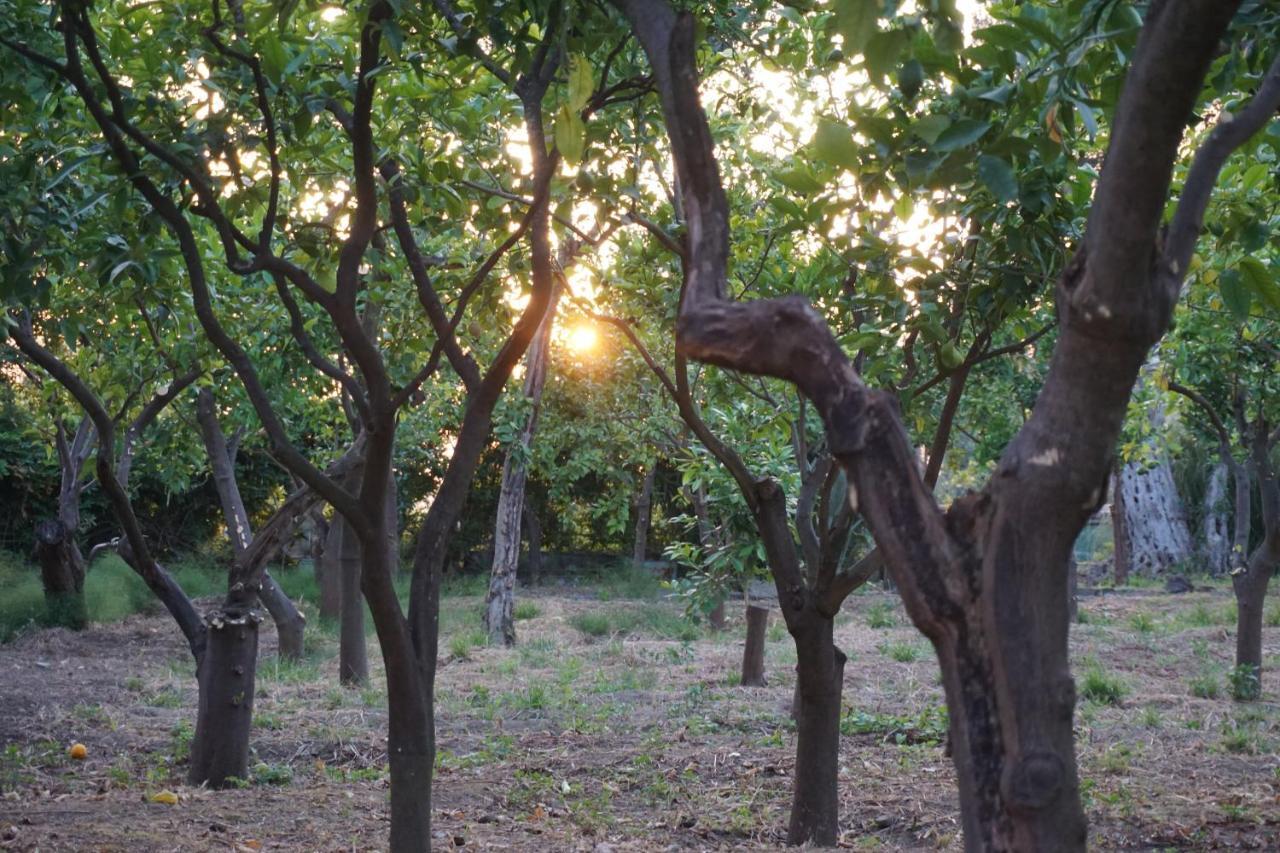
1229, 134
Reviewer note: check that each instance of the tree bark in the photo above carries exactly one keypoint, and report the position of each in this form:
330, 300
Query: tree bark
1119, 534
815, 806
986, 579
500, 602
224, 720
533, 535
753, 648
644, 512
1155, 534
289, 622
1250, 579
1215, 530
62, 567
353, 654
718, 620
329, 570
62, 573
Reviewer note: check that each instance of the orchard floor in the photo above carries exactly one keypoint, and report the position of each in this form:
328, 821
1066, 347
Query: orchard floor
631, 741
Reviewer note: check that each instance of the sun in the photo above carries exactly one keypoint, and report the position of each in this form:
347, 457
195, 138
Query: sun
582, 339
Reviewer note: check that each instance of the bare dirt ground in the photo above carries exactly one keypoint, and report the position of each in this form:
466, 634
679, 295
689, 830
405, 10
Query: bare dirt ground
627, 742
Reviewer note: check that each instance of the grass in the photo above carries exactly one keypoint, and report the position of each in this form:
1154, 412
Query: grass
627, 582
527, 610
880, 616
1206, 685
649, 619
1099, 686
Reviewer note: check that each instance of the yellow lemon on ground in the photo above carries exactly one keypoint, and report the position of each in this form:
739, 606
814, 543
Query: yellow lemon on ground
78, 751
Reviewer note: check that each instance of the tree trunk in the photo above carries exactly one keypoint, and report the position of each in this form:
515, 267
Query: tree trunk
1155, 534
753, 649
533, 535
718, 620
644, 511
329, 569
62, 574
1250, 579
62, 567
290, 625
1250, 588
1215, 532
289, 622
353, 655
815, 807
220, 748
1119, 534
499, 605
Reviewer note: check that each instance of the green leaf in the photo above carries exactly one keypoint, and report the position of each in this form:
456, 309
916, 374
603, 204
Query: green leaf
964, 132
1235, 295
880, 56
833, 142
570, 135
581, 82
998, 176
930, 127
1260, 278
798, 180
856, 22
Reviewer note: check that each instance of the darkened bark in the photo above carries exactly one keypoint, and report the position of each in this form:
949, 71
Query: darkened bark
986, 580
220, 748
644, 512
753, 648
290, 625
500, 602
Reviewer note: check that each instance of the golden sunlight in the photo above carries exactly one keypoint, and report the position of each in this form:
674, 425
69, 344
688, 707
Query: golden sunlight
582, 338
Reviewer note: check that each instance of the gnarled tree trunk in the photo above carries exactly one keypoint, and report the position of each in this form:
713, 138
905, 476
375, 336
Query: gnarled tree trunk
1153, 535
1215, 531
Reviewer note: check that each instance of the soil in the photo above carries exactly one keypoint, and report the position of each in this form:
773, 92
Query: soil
624, 743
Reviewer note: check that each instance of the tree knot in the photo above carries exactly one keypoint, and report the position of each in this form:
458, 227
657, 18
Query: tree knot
1034, 780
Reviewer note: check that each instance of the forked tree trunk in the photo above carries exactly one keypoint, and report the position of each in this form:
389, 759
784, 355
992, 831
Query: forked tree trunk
1154, 534
62, 567
1215, 531
753, 648
1250, 578
220, 748
62, 573
289, 622
644, 512
500, 602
